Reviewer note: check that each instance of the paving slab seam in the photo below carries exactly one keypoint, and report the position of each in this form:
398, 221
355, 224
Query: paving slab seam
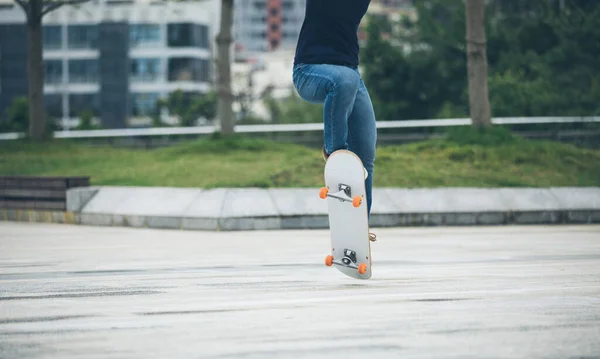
300, 221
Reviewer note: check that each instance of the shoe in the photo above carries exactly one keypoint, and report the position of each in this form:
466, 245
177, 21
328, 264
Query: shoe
326, 156
372, 237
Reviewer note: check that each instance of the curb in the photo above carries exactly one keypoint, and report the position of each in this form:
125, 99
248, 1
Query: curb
236, 209
26, 215
302, 222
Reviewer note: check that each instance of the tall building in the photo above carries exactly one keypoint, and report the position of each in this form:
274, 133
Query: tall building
267, 25
113, 58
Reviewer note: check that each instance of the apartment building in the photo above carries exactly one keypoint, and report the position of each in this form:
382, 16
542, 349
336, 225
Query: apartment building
113, 58
267, 25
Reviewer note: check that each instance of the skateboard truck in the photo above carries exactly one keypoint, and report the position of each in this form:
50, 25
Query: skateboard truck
349, 261
343, 194
349, 258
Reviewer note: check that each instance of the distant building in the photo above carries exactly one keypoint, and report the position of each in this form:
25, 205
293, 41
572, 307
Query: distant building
113, 58
265, 60
266, 25
269, 75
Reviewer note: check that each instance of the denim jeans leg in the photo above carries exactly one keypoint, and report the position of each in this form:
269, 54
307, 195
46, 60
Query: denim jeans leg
362, 137
348, 116
335, 87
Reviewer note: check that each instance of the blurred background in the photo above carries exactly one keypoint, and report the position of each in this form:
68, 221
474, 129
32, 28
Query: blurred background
182, 115
153, 65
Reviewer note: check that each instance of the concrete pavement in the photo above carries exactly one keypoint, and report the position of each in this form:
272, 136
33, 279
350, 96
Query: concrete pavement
462, 292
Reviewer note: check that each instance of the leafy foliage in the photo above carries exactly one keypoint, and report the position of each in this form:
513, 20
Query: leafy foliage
190, 107
543, 60
16, 116
293, 109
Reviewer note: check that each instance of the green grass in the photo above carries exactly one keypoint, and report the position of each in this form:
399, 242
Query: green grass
244, 162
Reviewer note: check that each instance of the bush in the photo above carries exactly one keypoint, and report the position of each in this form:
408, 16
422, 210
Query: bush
469, 135
16, 116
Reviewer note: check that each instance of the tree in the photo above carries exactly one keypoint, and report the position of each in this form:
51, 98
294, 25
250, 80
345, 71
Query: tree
421, 71
224, 92
35, 11
540, 61
479, 103
189, 107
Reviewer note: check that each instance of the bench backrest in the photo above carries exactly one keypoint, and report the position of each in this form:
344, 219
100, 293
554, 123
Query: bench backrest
39, 193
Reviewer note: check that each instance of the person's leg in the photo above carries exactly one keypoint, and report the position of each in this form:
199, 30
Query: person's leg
335, 87
362, 136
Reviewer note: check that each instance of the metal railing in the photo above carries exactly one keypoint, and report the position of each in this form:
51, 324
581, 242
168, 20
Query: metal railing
298, 127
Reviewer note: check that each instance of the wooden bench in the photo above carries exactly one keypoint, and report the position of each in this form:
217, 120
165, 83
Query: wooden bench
38, 193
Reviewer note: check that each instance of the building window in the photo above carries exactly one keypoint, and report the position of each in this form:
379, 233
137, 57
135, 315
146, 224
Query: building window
144, 104
187, 35
83, 71
201, 35
79, 103
145, 70
144, 35
179, 35
188, 69
288, 5
53, 105
82, 36
204, 69
181, 69
52, 37
290, 35
53, 71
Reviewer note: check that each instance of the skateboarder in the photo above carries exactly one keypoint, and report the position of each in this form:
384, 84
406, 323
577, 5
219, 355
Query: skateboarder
326, 72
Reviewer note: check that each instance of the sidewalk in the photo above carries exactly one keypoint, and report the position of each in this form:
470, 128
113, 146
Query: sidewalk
74, 292
229, 209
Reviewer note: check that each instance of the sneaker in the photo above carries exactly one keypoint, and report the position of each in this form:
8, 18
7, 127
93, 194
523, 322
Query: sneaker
325, 156
372, 237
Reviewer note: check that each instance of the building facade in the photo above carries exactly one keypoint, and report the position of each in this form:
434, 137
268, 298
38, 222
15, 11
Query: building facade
267, 25
114, 59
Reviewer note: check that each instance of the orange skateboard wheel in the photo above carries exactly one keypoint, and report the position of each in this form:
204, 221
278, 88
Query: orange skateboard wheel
329, 260
323, 192
362, 268
356, 201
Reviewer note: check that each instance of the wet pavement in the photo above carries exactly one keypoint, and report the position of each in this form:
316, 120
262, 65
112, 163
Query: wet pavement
461, 292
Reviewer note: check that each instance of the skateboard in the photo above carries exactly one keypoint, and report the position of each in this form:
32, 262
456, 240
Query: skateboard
345, 194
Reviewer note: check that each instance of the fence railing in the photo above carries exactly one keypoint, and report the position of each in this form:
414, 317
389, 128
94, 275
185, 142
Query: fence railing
298, 127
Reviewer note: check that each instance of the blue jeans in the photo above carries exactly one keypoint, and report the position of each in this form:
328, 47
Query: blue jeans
348, 116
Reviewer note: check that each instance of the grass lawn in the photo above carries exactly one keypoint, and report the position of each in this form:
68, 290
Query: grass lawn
244, 162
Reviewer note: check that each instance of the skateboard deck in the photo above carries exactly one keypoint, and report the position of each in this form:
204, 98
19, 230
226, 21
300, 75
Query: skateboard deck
346, 199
